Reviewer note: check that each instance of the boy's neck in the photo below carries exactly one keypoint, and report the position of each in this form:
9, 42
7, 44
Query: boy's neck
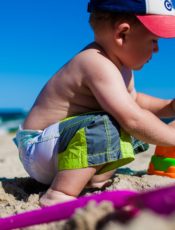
110, 55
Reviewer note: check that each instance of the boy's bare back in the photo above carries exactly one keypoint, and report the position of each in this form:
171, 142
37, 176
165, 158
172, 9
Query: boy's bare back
67, 93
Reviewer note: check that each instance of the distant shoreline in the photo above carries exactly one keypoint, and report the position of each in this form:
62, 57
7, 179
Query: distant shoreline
10, 119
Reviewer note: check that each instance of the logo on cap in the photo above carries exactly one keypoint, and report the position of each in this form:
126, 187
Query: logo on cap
168, 5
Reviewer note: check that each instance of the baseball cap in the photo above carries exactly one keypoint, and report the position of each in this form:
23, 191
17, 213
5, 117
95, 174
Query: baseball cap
158, 16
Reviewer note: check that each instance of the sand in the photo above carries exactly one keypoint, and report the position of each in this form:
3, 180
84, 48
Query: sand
19, 193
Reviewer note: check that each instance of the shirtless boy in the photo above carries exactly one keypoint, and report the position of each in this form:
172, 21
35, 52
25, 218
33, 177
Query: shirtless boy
80, 126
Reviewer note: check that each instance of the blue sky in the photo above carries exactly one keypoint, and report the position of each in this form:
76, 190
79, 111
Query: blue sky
38, 36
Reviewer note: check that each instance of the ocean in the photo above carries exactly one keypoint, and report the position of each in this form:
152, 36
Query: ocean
10, 119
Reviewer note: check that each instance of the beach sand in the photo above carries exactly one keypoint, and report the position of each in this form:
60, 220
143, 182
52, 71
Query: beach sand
19, 193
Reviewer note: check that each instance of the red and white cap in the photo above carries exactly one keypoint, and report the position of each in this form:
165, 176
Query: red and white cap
158, 16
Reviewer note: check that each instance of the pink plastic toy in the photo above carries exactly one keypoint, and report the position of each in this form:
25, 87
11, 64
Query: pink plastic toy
161, 201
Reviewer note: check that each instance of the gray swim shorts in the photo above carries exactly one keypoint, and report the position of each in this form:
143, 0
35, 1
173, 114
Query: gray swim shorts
81, 141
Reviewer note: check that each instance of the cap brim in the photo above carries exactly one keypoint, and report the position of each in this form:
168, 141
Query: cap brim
160, 25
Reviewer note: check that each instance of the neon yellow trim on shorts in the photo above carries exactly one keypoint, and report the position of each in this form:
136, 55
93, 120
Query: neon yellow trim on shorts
75, 155
127, 154
126, 145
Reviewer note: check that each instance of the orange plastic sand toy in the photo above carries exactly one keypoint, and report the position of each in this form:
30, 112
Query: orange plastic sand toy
165, 151
163, 162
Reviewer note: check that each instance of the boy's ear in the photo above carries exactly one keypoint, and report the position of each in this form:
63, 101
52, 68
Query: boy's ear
121, 32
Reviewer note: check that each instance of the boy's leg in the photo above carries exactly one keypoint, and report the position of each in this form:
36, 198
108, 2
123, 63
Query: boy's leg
86, 141
67, 185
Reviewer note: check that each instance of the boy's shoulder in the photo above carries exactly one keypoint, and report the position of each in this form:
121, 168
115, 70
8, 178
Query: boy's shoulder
93, 59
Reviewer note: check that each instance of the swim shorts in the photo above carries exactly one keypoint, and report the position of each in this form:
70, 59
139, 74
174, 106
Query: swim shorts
81, 141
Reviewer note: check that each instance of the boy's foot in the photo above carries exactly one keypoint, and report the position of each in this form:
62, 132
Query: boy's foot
52, 197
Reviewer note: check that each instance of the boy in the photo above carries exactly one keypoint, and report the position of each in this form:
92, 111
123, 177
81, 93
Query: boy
81, 123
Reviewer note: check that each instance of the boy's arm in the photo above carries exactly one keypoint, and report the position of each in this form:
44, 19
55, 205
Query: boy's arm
160, 107
107, 85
